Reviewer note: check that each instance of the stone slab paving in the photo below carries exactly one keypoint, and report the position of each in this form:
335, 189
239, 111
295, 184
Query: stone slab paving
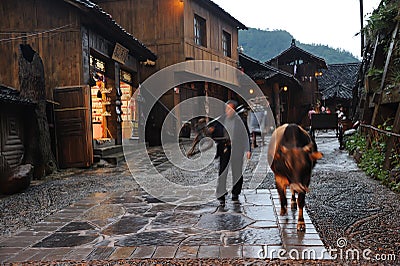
134, 224
129, 225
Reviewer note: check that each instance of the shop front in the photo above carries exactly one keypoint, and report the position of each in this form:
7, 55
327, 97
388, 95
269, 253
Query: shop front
95, 117
114, 110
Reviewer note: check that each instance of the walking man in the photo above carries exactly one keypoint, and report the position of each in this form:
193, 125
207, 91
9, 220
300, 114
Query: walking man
232, 137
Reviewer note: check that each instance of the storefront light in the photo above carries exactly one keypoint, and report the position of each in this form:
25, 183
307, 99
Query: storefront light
318, 73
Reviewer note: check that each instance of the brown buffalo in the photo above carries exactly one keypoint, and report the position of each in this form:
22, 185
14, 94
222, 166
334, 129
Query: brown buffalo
292, 154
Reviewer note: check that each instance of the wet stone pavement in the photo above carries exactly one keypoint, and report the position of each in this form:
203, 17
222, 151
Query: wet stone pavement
133, 224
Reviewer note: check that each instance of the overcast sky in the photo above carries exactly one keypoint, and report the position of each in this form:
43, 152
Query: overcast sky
330, 22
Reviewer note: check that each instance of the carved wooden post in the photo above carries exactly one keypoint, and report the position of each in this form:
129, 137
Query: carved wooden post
32, 86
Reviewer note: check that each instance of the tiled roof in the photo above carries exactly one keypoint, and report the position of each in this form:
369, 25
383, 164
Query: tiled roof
262, 74
338, 80
295, 53
9, 95
263, 71
338, 91
219, 9
142, 51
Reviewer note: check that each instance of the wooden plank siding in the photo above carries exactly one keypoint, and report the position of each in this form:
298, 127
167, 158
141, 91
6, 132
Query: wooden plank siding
152, 22
215, 26
166, 27
52, 30
158, 24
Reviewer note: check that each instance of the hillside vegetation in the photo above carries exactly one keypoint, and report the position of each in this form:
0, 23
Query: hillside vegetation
264, 45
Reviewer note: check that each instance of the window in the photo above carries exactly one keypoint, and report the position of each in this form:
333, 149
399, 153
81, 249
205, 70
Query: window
200, 31
226, 44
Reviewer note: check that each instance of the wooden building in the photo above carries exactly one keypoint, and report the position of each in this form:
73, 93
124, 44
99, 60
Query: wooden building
336, 86
377, 93
280, 87
178, 31
91, 69
306, 67
378, 90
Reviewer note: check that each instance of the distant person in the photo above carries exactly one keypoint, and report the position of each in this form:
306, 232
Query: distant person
340, 113
264, 127
311, 111
256, 123
328, 111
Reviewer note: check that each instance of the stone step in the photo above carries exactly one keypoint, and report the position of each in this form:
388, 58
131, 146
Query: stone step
114, 159
106, 151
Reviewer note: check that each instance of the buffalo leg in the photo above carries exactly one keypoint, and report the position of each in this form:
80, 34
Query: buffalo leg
293, 203
281, 184
301, 200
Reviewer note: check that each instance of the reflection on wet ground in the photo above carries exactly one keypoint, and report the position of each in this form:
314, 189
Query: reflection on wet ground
132, 225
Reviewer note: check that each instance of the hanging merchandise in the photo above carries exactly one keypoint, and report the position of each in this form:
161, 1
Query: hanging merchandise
100, 112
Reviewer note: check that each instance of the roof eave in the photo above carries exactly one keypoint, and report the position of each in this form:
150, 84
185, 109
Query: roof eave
278, 72
320, 61
10, 95
208, 3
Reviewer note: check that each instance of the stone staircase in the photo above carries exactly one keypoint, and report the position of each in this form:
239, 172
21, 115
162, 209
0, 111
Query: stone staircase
112, 154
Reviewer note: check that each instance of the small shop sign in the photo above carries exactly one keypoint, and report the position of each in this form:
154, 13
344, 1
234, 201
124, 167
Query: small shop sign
120, 53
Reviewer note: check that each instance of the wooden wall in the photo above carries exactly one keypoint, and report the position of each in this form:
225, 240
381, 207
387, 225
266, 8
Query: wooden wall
304, 71
215, 26
52, 30
166, 28
157, 24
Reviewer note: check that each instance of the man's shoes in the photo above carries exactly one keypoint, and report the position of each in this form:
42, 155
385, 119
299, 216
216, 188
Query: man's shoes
235, 197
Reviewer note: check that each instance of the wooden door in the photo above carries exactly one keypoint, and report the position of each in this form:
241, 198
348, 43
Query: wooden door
73, 126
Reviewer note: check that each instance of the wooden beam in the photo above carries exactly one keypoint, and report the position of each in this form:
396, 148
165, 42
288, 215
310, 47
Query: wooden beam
385, 71
277, 104
366, 112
